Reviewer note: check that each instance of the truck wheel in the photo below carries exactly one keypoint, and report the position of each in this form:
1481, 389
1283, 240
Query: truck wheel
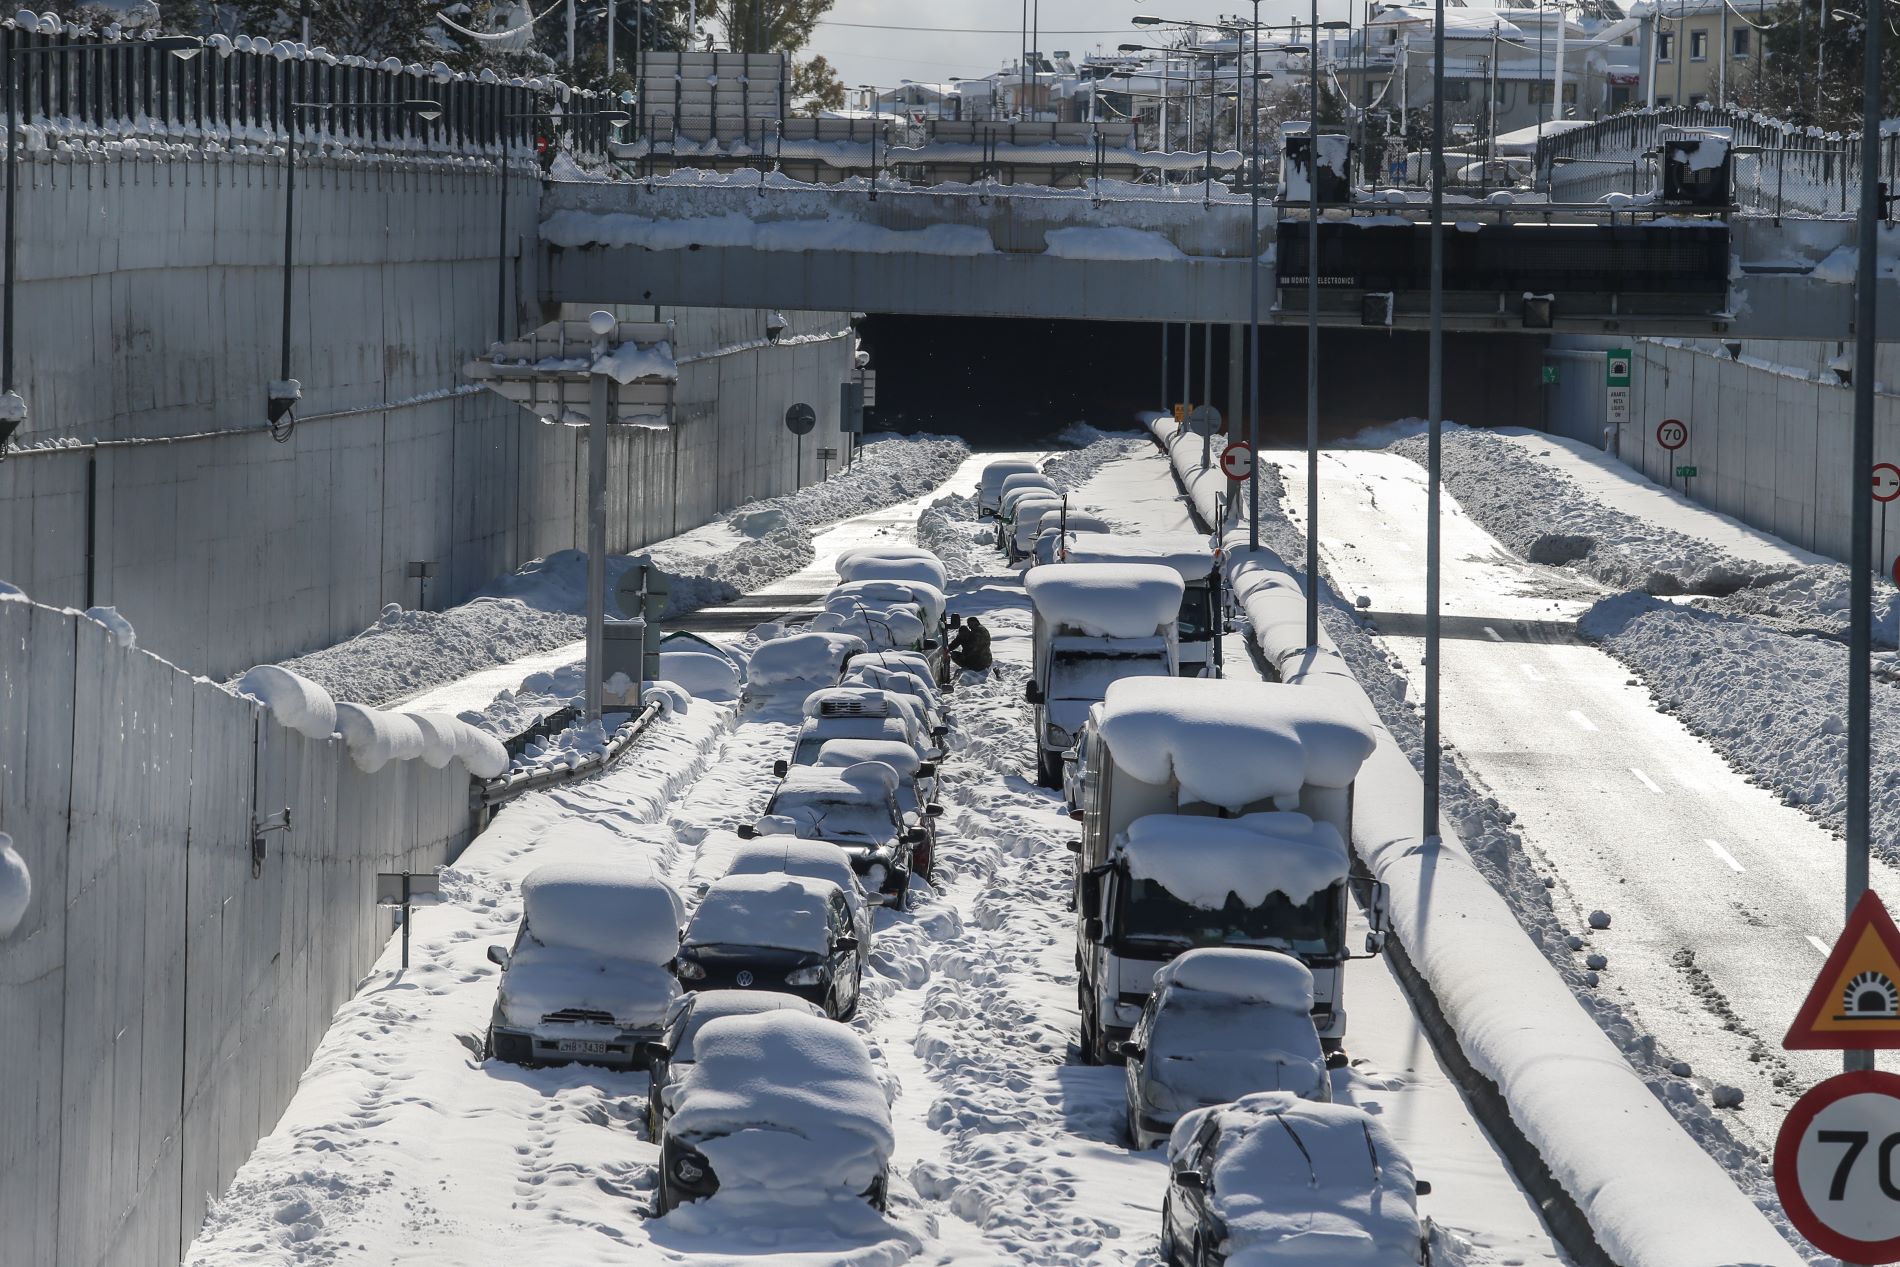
1048, 768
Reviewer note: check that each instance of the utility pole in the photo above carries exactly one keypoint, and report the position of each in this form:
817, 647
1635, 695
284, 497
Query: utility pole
1435, 408
1557, 73
1253, 305
1312, 339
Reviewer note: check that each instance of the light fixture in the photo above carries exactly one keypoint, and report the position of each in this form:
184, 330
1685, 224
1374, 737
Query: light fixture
183, 47
424, 109
1539, 312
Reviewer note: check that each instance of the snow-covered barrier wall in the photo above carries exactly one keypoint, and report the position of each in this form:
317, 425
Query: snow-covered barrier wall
1770, 426
168, 984
1605, 1138
149, 300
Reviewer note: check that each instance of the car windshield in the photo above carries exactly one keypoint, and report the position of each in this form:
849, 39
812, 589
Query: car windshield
1151, 913
822, 817
1215, 1047
1196, 622
1086, 675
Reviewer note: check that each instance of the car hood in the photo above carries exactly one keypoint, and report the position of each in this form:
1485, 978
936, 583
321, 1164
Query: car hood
544, 979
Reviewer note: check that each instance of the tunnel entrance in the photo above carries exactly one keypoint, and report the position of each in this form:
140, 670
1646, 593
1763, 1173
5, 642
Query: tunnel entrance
1005, 383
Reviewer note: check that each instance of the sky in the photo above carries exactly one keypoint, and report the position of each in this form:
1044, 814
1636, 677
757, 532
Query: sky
884, 42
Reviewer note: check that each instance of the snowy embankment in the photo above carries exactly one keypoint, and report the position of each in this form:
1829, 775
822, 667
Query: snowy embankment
1564, 1072
539, 607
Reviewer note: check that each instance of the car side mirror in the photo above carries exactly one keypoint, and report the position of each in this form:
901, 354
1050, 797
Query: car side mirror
938, 732
1423, 1187
1133, 1050
1192, 1180
1032, 694
933, 810
933, 754
656, 1053
746, 831
1092, 929
916, 836
1375, 943
498, 955
1077, 815
846, 943
931, 644
781, 767
927, 770
1075, 846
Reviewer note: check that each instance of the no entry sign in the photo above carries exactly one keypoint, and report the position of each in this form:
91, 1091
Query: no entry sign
1837, 1166
1672, 433
1236, 460
1886, 482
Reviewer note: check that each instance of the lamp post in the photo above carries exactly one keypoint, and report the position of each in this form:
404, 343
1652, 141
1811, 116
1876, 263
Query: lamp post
877, 122
1434, 408
183, 47
284, 394
613, 119
1312, 333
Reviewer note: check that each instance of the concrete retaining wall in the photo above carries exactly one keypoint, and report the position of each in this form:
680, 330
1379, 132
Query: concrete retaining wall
1770, 434
164, 994
149, 307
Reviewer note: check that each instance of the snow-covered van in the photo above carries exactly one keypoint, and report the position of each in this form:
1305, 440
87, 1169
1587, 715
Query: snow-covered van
1095, 624
1214, 813
590, 975
1043, 490
990, 490
1025, 516
1187, 553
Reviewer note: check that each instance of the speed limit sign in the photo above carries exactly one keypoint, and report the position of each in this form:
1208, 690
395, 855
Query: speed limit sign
1672, 433
1837, 1166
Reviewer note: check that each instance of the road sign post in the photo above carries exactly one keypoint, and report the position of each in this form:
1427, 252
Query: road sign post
799, 420
1672, 434
402, 888
1236, 461
1616, 382
1886, 488
1204, 421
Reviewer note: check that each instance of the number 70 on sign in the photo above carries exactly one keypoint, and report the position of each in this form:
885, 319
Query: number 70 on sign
1837, 1167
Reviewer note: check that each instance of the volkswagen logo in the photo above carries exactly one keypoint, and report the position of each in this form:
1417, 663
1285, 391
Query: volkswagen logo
744, 978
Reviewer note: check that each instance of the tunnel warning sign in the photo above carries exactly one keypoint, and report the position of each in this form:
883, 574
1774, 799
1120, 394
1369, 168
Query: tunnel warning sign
1855, 1002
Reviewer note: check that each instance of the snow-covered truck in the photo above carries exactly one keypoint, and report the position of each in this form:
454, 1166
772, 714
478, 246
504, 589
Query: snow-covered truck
1095, 624
1214, 813
1187, 553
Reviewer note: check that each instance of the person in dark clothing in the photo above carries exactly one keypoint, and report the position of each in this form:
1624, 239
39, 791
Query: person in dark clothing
970, 648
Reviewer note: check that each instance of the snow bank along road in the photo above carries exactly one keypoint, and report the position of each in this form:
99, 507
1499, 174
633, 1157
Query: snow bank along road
403, 1145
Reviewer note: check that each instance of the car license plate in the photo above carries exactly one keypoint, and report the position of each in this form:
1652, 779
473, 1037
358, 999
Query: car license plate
582, 1047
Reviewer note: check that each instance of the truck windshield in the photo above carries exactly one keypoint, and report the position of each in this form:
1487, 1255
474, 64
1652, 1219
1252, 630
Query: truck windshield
1196, 622
1151, 913
1086, 675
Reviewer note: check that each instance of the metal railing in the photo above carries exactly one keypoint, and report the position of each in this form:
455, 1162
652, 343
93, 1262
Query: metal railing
1779, 169
243, 88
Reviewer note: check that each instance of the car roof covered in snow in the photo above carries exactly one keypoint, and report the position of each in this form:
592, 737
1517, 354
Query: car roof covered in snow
1299, 1181
910, 661
893, 678
789, 855
927, 595
994, 473
900, 757
1016, 497
1253, 976
707, 1006
783, 1071
1078, 522
872, 779
620, 910
1232, 744
875, 626
1190, 555
1201, 860
779, 910
893, 563
1031, 478
1107, 600
800, 657
854, 701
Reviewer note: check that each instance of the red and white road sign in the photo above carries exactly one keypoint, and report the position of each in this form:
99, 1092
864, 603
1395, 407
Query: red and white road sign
1837, 1166
1886, 482
1236, 460
1672, 433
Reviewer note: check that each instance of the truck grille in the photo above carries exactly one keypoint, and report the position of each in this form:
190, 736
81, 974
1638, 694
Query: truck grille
577, 1016
849, 708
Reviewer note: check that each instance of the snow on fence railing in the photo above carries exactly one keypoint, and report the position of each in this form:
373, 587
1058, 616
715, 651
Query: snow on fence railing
203, 872
244, 88
1651, 1195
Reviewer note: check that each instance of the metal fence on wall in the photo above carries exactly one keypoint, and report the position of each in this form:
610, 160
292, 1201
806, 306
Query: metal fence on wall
1779, 169
235, 87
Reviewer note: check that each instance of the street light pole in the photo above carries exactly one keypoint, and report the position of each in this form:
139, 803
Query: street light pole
602, 324
1861, 589
1435, 408
1253, 301
1312, 339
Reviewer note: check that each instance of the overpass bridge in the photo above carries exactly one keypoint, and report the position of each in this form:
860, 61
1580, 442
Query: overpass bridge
1115, 251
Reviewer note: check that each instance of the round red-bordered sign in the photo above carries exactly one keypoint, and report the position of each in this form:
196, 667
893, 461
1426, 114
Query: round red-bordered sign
1236, 460
1672, 433
1832, 1189
1886, 481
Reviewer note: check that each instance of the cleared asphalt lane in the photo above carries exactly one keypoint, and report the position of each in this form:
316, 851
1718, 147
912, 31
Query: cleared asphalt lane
1723, 900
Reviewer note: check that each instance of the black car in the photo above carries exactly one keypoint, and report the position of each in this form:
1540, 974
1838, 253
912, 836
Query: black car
855, 808
671, 1055
788, 933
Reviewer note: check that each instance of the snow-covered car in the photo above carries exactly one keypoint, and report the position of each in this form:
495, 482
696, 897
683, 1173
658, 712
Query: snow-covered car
859, 712
1006, 509
1221, 1024
916, 787
1026, 521
989, 489
904, 681
790, 933
855, 808
1050, 541
819, 859
891, 562
590, 975
797, 664
777, 1109
673, 1053
1274, 1179
908, 661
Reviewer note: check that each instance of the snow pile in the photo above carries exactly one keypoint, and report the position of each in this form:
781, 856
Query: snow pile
1245, 976
951, 530
296, 702
1110, 244
701, 673
1071, 470
798, 664
778, 910
376, 738
618, 910
1234, 744
116, 625
1299, 1182
788, 1109
572, 229
16, 887
1106, 600
1206, 861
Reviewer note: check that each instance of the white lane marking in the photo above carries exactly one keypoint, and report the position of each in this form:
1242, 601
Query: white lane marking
1724, 855
1817, 943
1530, 671
1581, 720
1646, 781
1493, 634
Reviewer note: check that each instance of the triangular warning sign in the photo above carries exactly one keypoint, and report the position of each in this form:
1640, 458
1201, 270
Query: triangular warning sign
1855, 1002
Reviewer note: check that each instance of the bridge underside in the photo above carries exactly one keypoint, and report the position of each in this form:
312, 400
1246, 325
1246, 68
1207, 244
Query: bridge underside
1764, 305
